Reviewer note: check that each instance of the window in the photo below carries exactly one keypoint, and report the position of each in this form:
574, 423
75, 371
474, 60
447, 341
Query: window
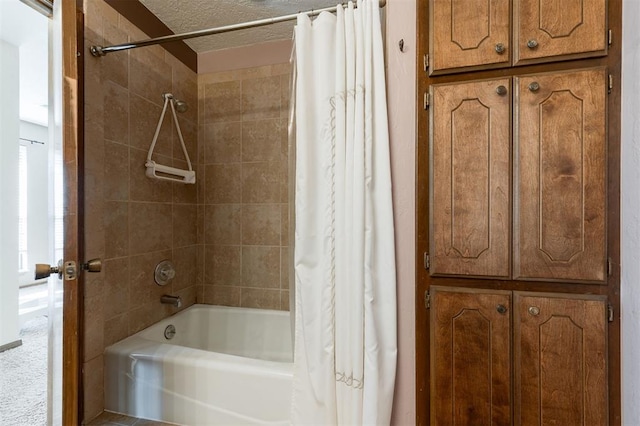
22, 209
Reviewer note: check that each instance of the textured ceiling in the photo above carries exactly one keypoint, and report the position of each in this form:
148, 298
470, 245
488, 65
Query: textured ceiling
190, 15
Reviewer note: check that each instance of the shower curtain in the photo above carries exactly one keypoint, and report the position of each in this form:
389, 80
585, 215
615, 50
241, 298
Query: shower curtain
344, 258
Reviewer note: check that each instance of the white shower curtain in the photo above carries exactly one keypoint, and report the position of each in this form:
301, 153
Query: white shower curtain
344, 259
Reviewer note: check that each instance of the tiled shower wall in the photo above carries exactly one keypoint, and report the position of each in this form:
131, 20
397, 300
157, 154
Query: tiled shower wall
227, 236
243, 200
132, 222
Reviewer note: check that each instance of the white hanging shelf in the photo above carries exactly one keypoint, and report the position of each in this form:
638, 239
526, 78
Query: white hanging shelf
162, 172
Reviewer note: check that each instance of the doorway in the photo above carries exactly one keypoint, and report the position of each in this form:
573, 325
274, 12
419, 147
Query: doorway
30, 223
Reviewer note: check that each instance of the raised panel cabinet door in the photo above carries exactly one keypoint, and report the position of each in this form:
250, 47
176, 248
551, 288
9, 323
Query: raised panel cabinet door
468, 33
470, 357
469, 182
560, 176
560, 360
559, 29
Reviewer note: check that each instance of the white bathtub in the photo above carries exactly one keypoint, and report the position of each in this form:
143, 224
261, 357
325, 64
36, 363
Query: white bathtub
224, 366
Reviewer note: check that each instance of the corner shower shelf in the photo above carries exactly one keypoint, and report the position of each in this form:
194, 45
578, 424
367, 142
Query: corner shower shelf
162, 172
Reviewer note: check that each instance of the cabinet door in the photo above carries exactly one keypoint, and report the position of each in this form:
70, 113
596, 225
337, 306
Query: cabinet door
468, 33
560, 183
469, 182
470, 357
559, 29
560, 360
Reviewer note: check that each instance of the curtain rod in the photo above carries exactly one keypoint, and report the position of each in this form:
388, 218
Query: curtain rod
103, 50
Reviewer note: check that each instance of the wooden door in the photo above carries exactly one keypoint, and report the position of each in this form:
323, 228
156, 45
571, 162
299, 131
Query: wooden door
469, 185
559, 29
71, 20
468, 33
560, 359
560, 199
470, 357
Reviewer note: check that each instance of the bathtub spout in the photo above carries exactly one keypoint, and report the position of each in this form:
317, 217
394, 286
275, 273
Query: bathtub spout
171, 300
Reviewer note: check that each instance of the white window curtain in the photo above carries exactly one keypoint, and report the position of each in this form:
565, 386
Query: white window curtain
344, 257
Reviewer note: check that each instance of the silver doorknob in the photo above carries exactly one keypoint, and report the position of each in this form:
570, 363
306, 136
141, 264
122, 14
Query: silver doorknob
44, 270
532, 44
500, 48
534, 87
501, 90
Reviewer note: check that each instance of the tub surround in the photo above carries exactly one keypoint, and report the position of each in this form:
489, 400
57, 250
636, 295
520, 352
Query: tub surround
227, 235
131, 221
243, 197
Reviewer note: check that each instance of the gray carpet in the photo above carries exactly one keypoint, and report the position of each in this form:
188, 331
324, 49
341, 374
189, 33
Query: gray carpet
23, 378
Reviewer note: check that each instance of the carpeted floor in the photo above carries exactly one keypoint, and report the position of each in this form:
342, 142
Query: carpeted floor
23, 378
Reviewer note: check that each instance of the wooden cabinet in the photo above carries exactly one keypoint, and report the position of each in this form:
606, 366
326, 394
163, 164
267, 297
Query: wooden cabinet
559, 193
469, 33
470, 357
470, 184
472, 34
518, 195
559, 361
558, 29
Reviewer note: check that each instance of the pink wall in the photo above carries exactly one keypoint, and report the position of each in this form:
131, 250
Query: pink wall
401, 99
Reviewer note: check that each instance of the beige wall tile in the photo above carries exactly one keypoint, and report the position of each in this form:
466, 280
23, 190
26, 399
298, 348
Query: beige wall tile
261, 224
185, 224
222, 142
116, 113
185, 261
146, 315
285, 267
145, 116
93, 378
261, 266
261, 140
223, 224
261, 98
285, 94
150, 227
260, 298
223, 183
116, 287
284, 225
115, 67
116, 229
222, 265
222, 102
93, 326
116, 171
284, 300
189, 130
116, 329
222, 295
149, 76
261, 182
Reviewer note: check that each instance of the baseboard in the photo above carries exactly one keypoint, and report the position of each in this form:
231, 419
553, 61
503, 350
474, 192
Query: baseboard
11, 345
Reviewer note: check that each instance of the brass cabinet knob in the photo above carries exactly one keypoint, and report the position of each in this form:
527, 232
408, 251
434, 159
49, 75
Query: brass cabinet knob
534, 310
501, 90
500, 48
534, 87
532, 44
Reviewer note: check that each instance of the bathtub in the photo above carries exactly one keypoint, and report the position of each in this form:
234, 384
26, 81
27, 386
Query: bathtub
223, 366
